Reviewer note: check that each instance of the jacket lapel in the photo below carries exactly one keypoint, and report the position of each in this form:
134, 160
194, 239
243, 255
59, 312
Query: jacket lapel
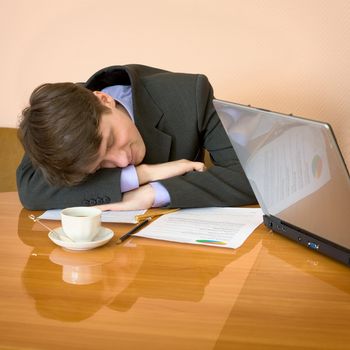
147, 116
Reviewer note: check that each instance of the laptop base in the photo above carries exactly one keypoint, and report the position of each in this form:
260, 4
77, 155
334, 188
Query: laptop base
306, 239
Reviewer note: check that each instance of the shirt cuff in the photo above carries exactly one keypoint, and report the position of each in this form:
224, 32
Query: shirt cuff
128, 179
162, 197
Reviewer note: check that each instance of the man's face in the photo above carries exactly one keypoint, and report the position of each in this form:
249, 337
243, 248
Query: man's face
121, 143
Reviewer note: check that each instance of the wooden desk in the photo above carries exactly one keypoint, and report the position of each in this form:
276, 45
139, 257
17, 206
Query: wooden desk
269, 294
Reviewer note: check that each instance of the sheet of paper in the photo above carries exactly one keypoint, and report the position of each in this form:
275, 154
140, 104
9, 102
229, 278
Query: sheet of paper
107, 216
224, 227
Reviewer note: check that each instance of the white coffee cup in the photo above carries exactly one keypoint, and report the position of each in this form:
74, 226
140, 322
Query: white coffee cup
81, 224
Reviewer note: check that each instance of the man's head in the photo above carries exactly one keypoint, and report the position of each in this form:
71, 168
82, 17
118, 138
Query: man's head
69, 131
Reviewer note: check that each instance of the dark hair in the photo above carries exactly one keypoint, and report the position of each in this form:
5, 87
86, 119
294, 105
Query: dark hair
59, 131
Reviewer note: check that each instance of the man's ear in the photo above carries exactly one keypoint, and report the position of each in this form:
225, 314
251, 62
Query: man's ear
104, 98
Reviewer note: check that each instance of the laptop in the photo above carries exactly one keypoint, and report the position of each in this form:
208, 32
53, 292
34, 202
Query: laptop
298, 175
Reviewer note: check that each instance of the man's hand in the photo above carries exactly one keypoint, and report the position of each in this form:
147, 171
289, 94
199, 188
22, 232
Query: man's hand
140, 198
153, 172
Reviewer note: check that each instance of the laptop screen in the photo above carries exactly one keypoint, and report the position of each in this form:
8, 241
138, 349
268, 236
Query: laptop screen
294, 167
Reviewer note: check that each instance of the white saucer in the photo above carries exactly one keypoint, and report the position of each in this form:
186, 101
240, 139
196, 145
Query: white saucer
58, 237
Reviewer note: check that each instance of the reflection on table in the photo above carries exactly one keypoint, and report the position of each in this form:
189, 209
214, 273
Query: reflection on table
264, 295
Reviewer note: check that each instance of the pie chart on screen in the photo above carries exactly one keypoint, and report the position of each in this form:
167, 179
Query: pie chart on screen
317, 166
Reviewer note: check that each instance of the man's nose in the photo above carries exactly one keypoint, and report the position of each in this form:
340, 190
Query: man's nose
119, 160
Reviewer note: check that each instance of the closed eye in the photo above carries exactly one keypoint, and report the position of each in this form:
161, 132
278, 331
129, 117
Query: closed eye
110, 142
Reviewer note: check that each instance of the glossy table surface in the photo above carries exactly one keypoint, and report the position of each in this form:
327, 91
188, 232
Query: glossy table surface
269, 294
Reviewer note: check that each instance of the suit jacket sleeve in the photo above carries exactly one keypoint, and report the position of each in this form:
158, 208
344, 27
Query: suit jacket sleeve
224, 184
36, 194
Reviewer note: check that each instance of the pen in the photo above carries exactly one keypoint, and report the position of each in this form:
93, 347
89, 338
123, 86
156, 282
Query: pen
133, 230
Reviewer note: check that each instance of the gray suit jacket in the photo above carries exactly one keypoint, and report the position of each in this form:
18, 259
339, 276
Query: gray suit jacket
176, 118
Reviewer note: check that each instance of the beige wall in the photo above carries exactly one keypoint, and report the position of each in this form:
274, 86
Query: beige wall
285, 55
